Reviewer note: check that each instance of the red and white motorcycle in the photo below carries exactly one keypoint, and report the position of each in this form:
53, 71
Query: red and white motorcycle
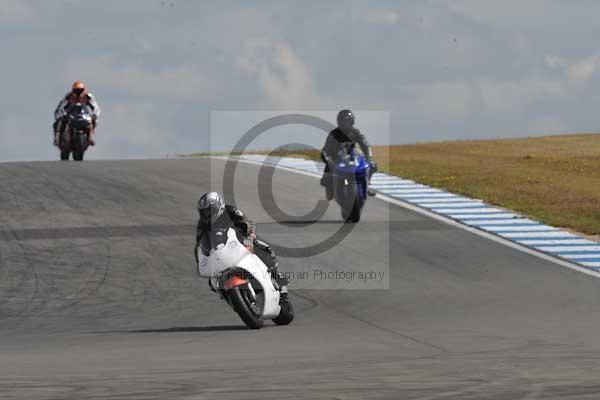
243, 281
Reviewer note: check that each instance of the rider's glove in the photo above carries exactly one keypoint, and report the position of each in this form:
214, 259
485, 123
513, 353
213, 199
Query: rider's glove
248, 242
373, 165
250, 230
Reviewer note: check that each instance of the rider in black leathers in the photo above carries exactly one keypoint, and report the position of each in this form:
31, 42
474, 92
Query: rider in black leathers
215, 214
339, 138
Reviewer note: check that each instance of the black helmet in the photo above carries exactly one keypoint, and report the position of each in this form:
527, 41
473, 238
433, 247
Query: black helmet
210, 207
345, 120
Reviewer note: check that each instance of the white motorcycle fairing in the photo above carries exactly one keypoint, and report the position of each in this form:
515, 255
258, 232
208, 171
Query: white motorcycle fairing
233, 255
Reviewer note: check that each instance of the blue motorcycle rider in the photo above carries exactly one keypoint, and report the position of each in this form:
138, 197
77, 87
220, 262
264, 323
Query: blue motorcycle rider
345, 136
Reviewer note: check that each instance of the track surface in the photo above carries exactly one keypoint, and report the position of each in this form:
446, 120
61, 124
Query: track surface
99, 299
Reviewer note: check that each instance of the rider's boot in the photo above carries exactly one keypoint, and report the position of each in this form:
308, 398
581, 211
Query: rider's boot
329, 191
280, 279
371, 192
266, 254
283, 298
281, 283
372, 170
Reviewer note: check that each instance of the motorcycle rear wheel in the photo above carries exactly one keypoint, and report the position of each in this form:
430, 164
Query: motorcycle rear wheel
241, 300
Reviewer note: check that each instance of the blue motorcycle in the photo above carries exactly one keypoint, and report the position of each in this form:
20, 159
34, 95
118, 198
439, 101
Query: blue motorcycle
350, 174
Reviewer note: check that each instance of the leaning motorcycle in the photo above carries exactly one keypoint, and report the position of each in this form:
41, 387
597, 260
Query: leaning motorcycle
242, 280
350, 174
75, 138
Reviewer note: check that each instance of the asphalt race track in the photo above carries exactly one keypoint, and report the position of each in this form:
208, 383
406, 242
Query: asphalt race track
99, 299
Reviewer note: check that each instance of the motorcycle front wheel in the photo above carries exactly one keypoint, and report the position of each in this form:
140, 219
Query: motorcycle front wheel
244, 303
354, 216
80, 145
78, 156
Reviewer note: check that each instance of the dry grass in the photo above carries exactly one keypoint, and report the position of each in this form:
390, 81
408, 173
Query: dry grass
553, 179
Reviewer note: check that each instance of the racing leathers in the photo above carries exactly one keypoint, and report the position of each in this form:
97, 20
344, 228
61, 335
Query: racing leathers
61, 112
337, 141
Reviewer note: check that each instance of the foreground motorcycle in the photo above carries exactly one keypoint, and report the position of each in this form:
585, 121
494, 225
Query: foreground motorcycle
75, 138
243, 281
350, 174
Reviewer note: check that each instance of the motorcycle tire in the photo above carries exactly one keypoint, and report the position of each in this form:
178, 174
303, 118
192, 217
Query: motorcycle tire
242, 304
78, 155
354, 214
80, 144
351, 214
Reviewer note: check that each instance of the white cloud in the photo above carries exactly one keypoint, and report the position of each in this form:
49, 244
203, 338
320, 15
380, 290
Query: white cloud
581, 71
576, 72
15, 11
284, 79
128, 129
183, 82
546, 125
381, 16
450, 99
455, 99
21, 139
485, 11
505, 96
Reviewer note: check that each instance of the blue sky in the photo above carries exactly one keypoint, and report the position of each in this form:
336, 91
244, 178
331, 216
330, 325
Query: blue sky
443, 70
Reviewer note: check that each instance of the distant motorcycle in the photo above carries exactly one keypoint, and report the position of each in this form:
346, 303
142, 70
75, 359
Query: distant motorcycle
75, 138
350, 173
243, 281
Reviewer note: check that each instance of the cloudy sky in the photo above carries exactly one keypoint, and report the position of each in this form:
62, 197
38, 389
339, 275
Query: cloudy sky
441, 69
